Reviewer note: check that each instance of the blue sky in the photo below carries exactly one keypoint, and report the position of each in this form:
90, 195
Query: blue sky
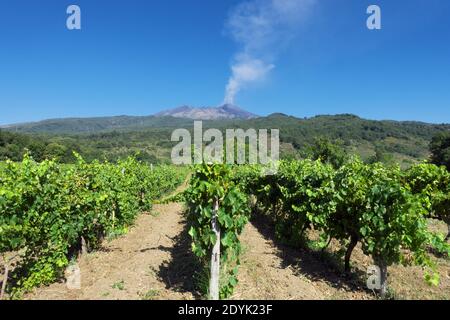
138, 57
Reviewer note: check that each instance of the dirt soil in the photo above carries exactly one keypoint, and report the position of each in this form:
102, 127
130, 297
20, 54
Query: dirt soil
271, 270
134, 266
154, 261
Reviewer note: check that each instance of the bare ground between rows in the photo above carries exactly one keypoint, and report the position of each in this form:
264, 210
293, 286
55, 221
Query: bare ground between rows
154, 261
138, 265
272, 270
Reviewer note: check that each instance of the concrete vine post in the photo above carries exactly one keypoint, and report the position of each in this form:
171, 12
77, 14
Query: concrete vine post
5, 278
215, 257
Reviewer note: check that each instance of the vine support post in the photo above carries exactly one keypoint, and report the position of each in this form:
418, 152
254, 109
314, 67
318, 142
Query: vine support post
7, 261
215, 256
84, 249
5, 278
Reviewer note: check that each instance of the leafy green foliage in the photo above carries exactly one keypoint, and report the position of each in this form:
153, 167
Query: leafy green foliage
369, 204
327, 151
46, 208
432, 182
440, 149
211, 183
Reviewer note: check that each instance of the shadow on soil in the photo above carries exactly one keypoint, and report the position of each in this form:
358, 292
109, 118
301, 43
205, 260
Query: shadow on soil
315, 265
177, 274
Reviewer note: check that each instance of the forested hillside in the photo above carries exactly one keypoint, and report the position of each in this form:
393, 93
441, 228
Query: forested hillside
149, 137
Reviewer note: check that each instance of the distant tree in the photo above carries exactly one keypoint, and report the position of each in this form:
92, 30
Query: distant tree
37, 149
381, 156
440, 149
144, 156
13, 146
2, 139
55, 151
328, 151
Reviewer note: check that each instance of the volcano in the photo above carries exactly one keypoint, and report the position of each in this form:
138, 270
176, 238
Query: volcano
226, 111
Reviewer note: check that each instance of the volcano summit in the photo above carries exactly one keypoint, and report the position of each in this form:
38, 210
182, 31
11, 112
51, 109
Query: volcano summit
226, 111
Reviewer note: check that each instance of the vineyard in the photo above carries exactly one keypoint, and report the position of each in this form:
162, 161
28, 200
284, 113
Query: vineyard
50, 212
384, 209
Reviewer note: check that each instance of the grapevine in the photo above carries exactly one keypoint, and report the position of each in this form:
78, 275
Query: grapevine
48, 209
384, 209
210, 185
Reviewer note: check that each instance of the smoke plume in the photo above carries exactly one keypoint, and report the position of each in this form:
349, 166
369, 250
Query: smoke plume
261, 28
